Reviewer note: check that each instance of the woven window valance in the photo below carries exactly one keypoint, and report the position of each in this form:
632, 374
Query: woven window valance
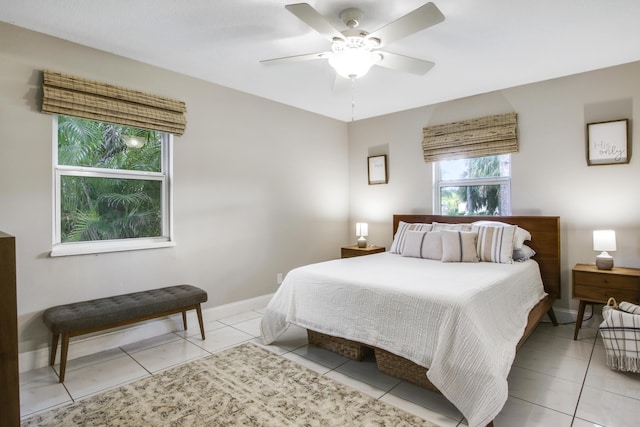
74, 96
484, 136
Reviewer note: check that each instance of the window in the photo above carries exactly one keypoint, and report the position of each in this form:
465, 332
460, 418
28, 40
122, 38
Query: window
112, 187
476, 186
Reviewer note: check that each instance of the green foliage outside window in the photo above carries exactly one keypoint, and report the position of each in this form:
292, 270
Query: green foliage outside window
475, 198
108, 207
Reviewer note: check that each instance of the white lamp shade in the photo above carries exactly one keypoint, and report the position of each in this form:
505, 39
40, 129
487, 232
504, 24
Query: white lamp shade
353, 63
362, 229
604, 240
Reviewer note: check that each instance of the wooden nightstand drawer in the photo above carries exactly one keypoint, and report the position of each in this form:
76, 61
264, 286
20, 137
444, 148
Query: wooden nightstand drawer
353, 251
600, 294
612, 281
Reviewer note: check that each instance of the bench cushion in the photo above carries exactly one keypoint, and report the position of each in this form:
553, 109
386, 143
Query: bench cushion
106, 311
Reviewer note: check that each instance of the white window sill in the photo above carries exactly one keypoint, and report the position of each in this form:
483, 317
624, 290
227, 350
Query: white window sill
85, 248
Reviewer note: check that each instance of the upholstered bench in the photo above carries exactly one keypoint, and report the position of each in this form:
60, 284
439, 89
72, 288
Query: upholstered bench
84, 317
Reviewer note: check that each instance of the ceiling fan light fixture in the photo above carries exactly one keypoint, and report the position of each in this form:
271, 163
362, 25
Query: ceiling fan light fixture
133, 141
352, 58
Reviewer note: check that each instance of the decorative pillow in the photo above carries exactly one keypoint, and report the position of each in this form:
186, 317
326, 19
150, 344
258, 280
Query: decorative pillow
398, 240
459, 246
423, 244
438, 226
523, 254
520, 236
495, 244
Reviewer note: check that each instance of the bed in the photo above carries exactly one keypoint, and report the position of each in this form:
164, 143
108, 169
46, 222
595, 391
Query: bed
458, 323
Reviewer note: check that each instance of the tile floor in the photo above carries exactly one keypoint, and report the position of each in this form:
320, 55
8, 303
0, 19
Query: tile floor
555, 381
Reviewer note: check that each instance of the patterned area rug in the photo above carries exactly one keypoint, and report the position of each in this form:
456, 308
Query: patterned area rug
245, 385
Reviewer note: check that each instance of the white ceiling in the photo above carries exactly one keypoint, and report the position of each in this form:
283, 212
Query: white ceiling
480, 47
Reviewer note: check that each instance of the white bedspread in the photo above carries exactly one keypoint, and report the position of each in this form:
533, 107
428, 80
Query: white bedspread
461, 320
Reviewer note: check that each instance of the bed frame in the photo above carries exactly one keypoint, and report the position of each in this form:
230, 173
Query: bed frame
545, 241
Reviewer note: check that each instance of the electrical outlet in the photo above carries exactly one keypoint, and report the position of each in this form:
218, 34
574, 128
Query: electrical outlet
279, 278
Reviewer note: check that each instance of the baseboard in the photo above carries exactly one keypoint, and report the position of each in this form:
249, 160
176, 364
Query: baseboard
564, 315
89, 344
94, 343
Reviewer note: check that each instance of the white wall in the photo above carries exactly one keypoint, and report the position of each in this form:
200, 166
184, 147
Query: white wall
260, 188
550, 173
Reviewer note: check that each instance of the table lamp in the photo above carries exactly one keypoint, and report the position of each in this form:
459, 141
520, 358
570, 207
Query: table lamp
604, 240
362, 231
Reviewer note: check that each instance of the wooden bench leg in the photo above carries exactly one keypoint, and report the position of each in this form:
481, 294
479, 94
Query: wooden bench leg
63, 355
54, 349
184, 319
199, 311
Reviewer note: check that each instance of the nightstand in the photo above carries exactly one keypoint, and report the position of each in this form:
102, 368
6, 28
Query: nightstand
591, 285
352, 251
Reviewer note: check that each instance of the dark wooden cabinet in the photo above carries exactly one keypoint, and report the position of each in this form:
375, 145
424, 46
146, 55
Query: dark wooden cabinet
9, 379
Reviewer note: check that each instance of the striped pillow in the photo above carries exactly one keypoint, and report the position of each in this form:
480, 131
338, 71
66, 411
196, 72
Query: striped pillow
423, 244
459, 246
399, 239
438, 226
495, 244
519, 238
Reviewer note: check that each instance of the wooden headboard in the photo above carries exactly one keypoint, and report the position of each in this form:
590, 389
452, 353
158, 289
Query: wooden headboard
545, 239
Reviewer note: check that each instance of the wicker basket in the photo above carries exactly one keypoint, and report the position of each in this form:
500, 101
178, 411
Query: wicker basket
402, 368
351, 349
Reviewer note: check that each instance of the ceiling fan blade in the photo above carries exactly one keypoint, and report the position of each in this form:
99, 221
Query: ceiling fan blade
312, 18
404, 63
297, 58
421, 18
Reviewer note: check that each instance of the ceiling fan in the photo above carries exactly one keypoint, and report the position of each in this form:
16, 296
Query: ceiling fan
355, 51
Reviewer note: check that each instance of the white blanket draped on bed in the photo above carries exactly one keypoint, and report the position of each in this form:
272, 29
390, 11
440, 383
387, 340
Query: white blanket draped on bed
460, 320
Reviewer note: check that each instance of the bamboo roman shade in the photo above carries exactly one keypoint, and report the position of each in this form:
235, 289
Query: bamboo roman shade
484, 136
74, 96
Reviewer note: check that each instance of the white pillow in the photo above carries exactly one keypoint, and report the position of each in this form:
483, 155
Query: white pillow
423, 244
495, 244
398, 240
521, 234
523, 254
459, 246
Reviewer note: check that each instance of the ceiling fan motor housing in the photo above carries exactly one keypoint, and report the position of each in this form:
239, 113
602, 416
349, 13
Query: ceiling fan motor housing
351, 17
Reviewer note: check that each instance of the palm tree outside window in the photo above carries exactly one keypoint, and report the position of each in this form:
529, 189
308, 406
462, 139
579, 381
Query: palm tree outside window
111, 184
475, 186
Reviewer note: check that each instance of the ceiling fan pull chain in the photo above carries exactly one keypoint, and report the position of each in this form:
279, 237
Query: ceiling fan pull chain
353, 102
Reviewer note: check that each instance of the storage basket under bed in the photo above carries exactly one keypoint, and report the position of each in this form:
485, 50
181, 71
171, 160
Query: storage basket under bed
402, 368
344, 347
387, 362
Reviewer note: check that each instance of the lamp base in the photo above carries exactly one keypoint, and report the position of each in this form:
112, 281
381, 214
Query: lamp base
604, 262
362, 242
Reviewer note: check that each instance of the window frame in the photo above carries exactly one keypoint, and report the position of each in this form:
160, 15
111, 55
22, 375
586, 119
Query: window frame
439, 184
165, 176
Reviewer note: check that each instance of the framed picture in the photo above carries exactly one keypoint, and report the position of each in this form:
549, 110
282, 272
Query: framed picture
608, 142
378, 170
